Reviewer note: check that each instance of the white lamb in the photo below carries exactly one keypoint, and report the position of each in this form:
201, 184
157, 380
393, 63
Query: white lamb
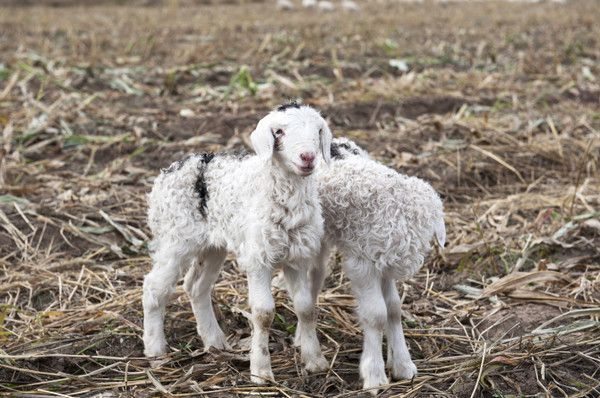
264, 208
382, 222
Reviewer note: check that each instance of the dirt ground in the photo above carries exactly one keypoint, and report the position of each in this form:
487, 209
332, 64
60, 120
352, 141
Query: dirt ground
498, 108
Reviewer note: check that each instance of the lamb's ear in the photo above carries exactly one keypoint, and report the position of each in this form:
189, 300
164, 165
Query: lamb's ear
326, 138
262, 138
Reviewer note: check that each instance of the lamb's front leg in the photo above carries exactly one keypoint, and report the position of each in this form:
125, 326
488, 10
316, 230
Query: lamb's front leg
305, 308
317, 273
372, 313
263, 310
398, 360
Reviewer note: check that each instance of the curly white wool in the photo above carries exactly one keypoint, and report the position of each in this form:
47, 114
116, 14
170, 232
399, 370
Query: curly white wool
279, 213
383, 223
264, 208
377, 214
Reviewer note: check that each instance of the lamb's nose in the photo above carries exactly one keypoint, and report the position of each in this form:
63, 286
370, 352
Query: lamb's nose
308, 157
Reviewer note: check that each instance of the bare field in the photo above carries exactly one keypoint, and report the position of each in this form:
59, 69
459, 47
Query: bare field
499, 109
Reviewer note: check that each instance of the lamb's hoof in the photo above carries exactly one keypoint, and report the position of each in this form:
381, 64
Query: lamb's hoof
262, 377
404, 371
155, 348
156, 361
373, 381
219, 343
317, 365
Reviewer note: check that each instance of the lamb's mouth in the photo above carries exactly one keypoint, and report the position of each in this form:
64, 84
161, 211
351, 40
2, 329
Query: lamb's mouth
305, 170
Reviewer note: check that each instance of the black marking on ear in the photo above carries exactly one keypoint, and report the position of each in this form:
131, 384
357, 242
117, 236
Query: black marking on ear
291, 104
200, 185
335, 151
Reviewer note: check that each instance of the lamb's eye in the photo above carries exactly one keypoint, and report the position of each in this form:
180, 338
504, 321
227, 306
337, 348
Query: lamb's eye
278, 133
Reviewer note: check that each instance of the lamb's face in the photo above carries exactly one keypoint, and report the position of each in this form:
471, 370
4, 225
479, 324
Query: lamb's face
293, 136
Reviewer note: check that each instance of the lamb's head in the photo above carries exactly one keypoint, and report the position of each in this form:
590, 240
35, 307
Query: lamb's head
341, 148
293, 136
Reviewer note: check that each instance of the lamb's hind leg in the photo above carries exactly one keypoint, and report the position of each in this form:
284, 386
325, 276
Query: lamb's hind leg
318, 272
198, 284
305, 308
159, 285
398, 358
372, 313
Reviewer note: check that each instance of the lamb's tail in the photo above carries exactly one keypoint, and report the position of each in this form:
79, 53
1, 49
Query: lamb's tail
439, 230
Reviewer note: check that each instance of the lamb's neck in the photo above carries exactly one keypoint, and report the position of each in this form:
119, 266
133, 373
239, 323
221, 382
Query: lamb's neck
291, 190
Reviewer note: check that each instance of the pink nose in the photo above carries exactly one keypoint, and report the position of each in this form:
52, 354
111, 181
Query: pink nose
308, 157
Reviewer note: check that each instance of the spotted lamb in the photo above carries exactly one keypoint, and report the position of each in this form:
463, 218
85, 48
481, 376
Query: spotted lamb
264, 208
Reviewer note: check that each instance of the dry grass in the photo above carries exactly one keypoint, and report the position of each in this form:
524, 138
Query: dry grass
500, 112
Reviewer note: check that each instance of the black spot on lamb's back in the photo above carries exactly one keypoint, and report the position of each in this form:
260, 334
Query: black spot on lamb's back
203, 159
238, 154
200, 185
176, 166
291, 104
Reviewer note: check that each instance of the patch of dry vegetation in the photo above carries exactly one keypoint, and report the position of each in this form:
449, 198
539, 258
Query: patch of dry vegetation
499, 111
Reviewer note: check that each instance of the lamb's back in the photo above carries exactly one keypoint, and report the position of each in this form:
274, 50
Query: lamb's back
375, 213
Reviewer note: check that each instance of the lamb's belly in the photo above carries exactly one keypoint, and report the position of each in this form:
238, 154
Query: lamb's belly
222, 235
